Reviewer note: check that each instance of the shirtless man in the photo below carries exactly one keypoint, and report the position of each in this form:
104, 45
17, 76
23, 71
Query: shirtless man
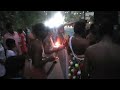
92, 34
36, 49
103, 59
78, 45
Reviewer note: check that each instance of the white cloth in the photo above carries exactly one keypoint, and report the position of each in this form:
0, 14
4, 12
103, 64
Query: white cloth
2, 53
56, 72
10, 53
2, 70
63, 59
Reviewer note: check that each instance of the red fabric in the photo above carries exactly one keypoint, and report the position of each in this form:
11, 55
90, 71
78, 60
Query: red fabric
30, 72
23, 43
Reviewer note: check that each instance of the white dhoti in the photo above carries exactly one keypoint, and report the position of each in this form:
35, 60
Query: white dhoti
56, 73
63, 56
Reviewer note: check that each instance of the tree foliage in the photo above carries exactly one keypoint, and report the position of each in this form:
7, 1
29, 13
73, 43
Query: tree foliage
21, 19
71, 16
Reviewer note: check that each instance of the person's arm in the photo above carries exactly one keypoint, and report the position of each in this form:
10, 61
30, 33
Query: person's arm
38, 56
22, 40
19, 45
48, 59
43, 62
68, 47
47, 49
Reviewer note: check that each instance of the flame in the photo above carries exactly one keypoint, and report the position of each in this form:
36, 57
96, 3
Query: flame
57, 44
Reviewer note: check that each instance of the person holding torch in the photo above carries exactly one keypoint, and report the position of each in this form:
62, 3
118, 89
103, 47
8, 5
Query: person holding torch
52, 47
39, 32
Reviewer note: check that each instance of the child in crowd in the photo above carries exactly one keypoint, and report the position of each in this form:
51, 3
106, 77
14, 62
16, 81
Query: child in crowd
11, 48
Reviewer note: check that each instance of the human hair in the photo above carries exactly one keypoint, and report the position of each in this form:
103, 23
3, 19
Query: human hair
39, 30
10, 43
79, 28
20, 31
9, 28
94, 29
61, 29
106, 27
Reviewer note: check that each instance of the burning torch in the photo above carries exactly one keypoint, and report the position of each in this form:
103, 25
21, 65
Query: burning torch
55, 22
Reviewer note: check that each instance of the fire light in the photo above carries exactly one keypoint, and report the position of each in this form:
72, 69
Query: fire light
57, 44
55, 21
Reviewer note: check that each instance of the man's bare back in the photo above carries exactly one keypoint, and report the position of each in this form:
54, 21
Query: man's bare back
103, 60
36, 52
79, 45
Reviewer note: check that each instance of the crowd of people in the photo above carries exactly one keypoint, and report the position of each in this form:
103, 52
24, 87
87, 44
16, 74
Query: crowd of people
91, 53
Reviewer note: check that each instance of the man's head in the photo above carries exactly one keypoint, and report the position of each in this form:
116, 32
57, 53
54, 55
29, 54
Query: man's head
79, 28
39, 31
10, 43
94, 29
9, 28
61, 29
106, 27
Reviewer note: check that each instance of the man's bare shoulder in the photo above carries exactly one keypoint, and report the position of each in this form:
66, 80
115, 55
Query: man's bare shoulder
103, 47
80, 41
36, 43
86, 41
94, 50
93, 47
